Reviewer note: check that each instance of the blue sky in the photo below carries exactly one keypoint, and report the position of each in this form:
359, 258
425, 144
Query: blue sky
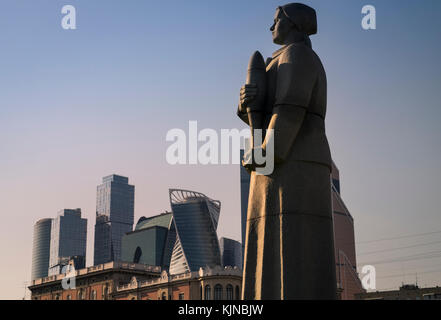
77, 105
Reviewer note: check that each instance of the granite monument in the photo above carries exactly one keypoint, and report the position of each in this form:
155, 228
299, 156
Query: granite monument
289, 246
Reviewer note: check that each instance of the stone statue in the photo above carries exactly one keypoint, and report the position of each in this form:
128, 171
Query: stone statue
289, 247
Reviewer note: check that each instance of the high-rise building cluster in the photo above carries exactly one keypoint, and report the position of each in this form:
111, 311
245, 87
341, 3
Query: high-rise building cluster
58, 242
180, 241
61, 241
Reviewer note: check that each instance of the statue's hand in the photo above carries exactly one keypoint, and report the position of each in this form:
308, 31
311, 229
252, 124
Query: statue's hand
248, 93
249, 159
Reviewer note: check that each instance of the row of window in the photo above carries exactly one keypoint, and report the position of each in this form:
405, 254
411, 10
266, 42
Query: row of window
81, 295
181, 296
218, 292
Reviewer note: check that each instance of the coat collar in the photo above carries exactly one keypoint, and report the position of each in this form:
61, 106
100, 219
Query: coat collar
278, 52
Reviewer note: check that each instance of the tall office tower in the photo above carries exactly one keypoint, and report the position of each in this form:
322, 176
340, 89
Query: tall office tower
245, 178
41, 248
231, 252
114, 217
68, 239
344, 241
195, 217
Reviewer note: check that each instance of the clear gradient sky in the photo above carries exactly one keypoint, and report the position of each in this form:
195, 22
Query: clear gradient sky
76, 105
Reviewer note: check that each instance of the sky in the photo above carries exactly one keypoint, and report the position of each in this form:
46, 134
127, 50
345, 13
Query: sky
77, 105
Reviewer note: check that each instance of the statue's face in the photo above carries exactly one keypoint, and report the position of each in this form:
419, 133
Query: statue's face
280, 28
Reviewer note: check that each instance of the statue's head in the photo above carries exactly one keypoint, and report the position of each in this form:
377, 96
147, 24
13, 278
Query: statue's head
293, 19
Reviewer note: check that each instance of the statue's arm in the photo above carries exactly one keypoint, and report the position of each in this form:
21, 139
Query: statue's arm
285, 123
242, 115
296, 78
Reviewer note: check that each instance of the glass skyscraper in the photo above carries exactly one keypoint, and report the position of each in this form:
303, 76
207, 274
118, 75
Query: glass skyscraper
231, 252
195, 218
41, 248
114, 217
68, 239
245, 179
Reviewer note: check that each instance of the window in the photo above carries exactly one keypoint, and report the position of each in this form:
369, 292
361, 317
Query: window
218, 292
138, 254
237, 293
93, 295
106, 292
164, 297
181, 296
207, 292
69, 297
230, 292
81, 294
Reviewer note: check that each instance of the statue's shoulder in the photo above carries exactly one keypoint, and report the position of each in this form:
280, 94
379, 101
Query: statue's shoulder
295, 51
299, 47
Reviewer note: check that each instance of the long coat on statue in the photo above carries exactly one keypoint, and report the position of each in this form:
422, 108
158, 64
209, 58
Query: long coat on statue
289, 247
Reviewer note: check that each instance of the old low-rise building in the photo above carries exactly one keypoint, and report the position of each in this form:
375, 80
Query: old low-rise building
405, 292
131, 281
92, 283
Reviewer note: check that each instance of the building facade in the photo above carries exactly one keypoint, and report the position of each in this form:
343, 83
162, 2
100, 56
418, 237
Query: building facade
348, 281
114, 217
231, 252
68, 239
405, 292
195, 219
130, 281
41, 248
206, 284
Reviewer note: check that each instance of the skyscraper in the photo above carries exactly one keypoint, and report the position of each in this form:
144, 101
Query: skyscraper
195, 218
231, 252
68, 239
245, 178
114, 217
41, 248
349, 283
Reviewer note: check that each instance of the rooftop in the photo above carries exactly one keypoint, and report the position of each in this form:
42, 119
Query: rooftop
161, 220
115, 178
